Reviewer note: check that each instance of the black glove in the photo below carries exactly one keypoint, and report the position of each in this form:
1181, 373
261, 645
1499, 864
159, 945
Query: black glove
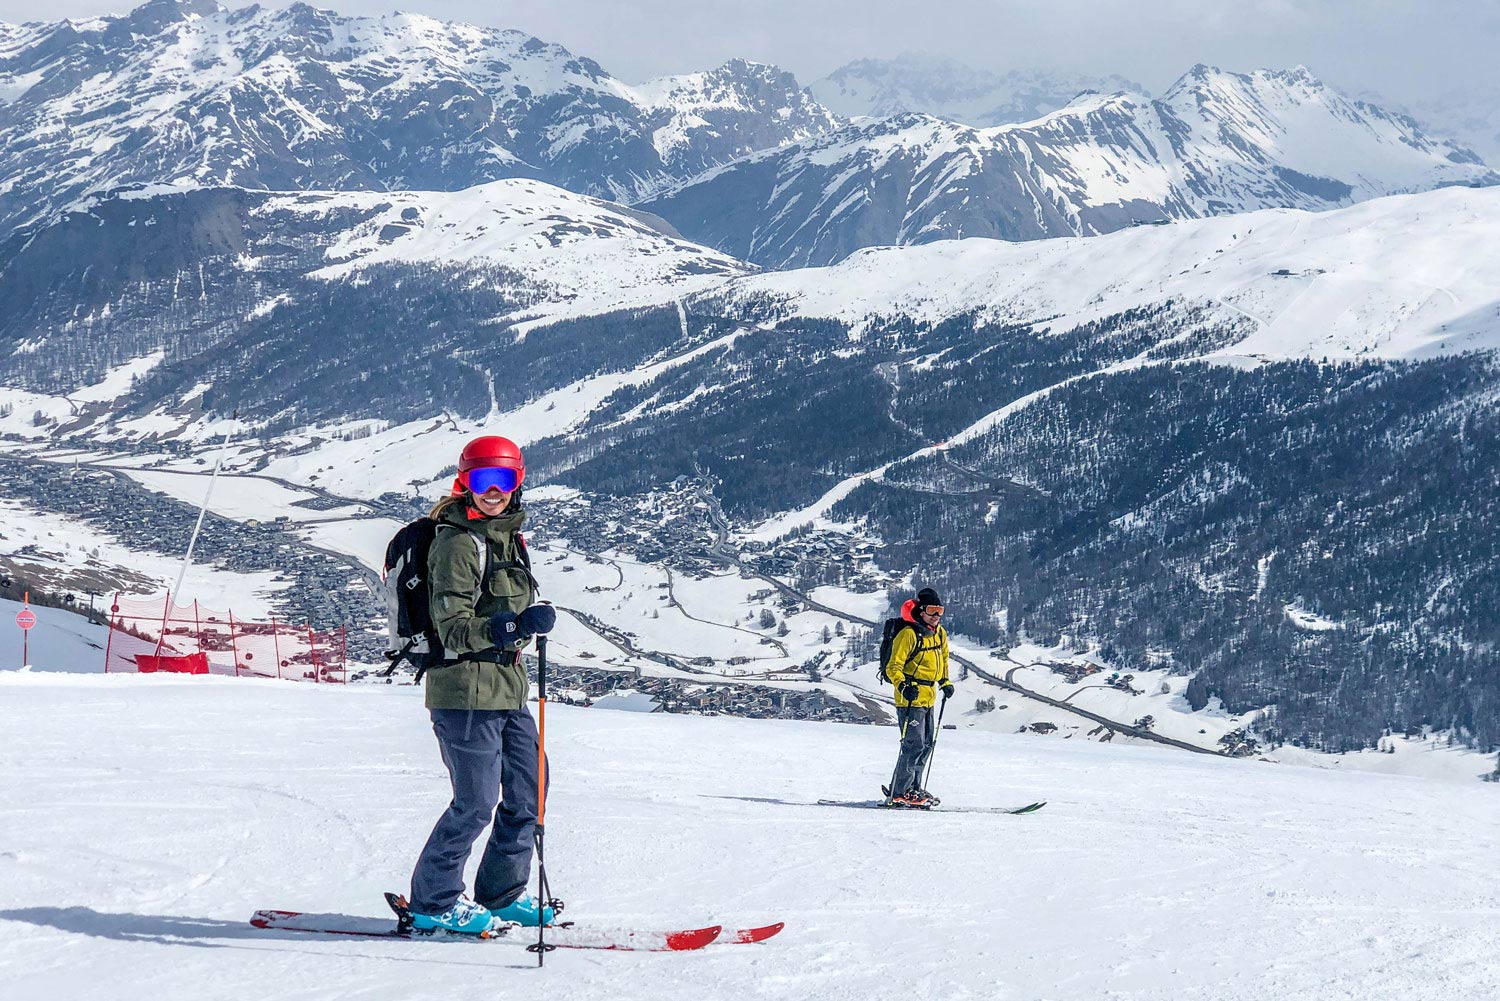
508, 627
505, 629
910, 690
538, 620
948, 690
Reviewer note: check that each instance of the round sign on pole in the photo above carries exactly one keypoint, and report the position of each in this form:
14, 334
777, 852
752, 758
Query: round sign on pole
25, 618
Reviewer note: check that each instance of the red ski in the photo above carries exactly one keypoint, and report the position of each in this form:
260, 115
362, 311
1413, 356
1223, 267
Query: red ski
565, 935
748, 936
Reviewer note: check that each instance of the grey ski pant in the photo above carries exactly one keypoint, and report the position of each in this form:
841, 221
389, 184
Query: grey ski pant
487, 751
916, 747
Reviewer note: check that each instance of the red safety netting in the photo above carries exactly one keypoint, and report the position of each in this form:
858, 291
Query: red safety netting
158, 635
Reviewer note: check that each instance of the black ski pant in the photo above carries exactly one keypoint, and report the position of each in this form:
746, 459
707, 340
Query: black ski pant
915, 723
488, 752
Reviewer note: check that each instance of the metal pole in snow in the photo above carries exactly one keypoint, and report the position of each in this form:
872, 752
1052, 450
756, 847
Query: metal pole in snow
166, 614
109, 637
202, 510
234, 645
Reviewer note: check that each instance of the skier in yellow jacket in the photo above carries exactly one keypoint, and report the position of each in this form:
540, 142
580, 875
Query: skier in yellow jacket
918, 668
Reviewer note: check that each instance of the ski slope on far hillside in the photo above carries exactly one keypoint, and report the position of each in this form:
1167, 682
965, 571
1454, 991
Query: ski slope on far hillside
131, 861
60, 640
1405, 276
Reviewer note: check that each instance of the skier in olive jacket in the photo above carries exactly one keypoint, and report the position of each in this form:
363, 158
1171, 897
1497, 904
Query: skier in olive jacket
483, 606
918, 668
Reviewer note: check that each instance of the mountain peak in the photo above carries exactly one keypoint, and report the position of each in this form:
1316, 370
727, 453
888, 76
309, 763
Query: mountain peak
1218, 143
1301, 74
1204, 77
157, 14
297, 97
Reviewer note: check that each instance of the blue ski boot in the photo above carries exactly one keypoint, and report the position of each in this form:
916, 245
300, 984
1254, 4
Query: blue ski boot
523, 911
464, 917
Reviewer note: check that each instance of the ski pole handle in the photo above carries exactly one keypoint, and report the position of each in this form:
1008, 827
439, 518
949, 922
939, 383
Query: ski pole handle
541, 668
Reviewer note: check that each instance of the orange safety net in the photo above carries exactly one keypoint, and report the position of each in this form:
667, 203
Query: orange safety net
157, 634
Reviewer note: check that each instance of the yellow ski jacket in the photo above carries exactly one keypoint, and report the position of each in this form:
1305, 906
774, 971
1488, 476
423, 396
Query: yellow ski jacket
923, 659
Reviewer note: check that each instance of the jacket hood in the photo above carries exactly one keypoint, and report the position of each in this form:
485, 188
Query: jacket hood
909, 613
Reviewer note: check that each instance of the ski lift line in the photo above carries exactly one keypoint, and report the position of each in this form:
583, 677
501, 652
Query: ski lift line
202, 510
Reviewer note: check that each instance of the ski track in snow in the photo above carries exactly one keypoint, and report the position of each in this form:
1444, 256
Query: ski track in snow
134, 858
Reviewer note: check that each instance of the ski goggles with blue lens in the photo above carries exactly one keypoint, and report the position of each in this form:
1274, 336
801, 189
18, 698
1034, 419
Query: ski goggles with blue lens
487, 478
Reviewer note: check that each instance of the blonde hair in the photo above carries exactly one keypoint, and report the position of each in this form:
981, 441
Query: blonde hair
443, 505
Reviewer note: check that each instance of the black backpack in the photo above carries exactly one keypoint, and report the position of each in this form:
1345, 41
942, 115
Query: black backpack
893, 629
408, 617
408, 593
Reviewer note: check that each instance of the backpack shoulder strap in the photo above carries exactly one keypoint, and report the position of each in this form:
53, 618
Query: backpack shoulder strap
916, 646
481, 545
484, 559
481, 549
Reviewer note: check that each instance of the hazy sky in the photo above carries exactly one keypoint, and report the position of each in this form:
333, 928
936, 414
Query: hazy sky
1409, 50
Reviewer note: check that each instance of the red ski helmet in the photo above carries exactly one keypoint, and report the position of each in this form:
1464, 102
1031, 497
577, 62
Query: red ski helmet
489, 451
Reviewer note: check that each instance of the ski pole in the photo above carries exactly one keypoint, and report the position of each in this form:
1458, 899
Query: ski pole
932, 752
891, 792
541, 948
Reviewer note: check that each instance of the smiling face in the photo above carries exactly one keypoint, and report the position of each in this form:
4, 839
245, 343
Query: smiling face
932, 615
492, 501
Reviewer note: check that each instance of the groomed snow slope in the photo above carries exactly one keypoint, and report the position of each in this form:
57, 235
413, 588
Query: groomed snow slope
130, 860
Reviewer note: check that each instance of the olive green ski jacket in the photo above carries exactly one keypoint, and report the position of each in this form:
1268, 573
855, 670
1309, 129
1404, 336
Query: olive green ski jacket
462, 603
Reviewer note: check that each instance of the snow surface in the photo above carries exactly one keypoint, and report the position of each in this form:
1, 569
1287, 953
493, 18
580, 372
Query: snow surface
133, 859
34, 415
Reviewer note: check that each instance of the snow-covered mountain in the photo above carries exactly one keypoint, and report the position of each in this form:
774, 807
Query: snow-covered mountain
1409, 276
573, 253
1216, 143
700, 120
298, 98
307, 297
945, 88
1214, 445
